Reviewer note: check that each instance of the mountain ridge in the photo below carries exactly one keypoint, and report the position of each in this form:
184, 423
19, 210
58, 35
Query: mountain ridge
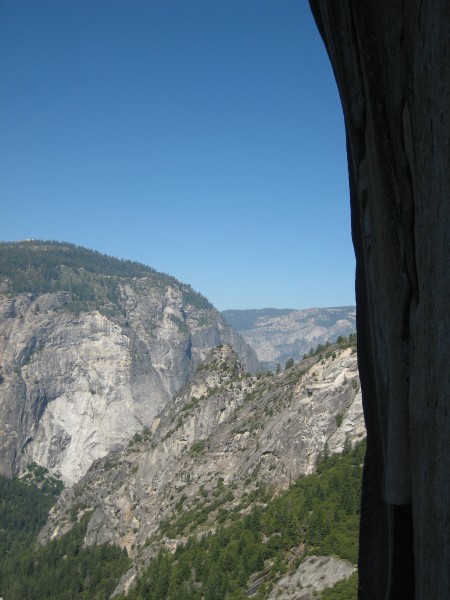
226, 429
277, 335
87, 358
37, 266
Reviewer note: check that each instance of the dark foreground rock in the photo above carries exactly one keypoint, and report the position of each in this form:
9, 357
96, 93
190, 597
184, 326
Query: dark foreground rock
392, 65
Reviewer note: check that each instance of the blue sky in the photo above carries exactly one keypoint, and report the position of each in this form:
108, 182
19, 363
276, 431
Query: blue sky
204, 138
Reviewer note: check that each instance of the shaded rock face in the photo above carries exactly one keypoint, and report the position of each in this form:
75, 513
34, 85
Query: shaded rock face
392, 65
76, 386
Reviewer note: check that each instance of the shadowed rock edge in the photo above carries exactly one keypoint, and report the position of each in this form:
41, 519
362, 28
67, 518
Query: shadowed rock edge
391, 61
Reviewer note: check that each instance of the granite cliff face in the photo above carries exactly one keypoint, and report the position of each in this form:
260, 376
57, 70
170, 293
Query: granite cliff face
224, 425
80, 374
391, 61
279, 334
315, 574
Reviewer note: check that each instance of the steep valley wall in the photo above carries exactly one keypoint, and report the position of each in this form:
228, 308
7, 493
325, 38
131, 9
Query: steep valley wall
75, 386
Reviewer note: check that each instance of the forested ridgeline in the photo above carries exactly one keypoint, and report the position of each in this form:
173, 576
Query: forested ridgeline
39, 267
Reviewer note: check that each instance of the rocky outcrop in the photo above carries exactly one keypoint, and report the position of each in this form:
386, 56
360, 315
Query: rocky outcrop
277, 335
224, 428
392, 65
77, 385
315, 574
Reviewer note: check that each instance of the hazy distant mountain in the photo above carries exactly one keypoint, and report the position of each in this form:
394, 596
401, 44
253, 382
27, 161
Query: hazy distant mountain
279, 334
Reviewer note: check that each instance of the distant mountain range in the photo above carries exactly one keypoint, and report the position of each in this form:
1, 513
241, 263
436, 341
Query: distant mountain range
279, 334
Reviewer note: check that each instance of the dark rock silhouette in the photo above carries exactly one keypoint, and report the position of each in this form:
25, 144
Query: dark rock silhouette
391, 61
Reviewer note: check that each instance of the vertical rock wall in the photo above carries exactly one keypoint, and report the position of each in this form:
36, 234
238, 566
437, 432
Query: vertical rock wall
391, 61
75, 386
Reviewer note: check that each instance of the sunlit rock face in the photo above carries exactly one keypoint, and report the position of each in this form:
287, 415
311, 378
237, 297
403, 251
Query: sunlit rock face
75, 386
224, 424
392, 65
277, 335
315, 574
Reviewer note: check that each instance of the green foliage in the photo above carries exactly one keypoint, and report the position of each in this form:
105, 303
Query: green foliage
289, 364
39, 476
347, 446
347, 342
320, 511
90, 278
38, 267
197, 447
194, 298
206, 510
191, 404
320, 349
182, 327
23, 512
344, 590
136, 439
328, 349
324, 455
62, 569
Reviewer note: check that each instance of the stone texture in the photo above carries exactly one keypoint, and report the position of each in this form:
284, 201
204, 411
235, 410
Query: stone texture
222, 424
314, 574
391, 61
76, 386
277, 335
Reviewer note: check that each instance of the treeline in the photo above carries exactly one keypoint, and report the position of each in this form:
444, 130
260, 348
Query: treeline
319, 514
48, 256
39, 267
341, 343
23, 512
61, 570
326, 350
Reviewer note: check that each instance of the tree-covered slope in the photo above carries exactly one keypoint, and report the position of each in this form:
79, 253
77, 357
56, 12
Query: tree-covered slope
317, 514
63, 570
90, 277
209, 501
227, 442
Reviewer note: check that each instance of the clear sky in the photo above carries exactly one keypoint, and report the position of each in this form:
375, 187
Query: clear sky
201, 137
